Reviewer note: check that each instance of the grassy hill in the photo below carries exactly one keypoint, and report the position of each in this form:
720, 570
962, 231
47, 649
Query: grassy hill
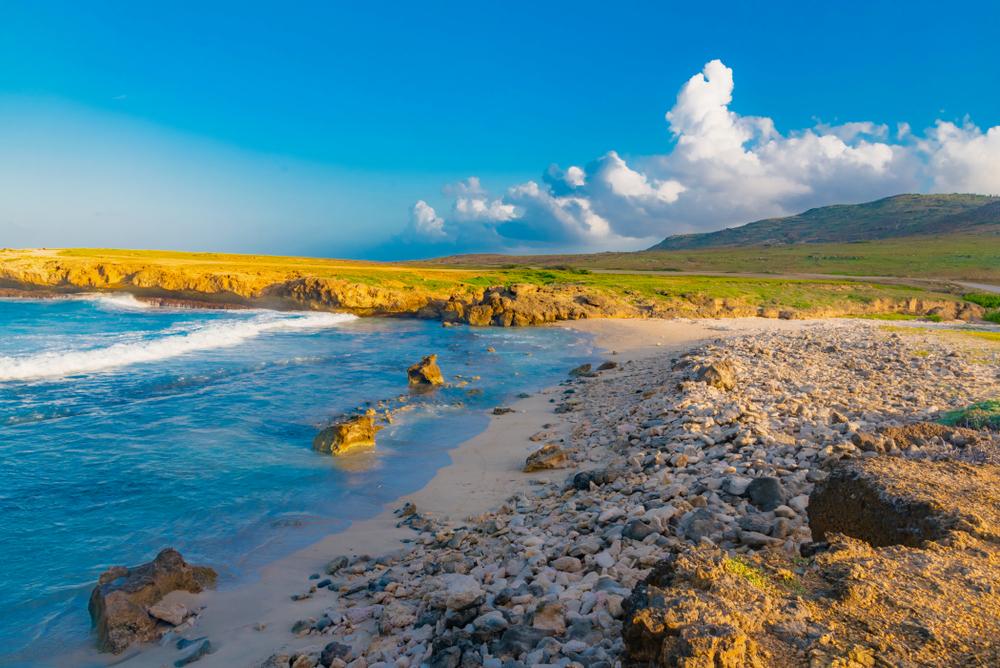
898, 216
907, 236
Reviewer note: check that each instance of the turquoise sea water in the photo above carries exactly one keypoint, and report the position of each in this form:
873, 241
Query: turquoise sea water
126, 429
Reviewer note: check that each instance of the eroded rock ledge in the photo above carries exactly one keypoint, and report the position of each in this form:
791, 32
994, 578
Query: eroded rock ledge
498, 305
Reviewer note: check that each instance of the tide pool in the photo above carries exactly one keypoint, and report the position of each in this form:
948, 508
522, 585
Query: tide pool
126, 429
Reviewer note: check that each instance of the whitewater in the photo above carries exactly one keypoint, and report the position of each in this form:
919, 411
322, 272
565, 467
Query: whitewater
171, 343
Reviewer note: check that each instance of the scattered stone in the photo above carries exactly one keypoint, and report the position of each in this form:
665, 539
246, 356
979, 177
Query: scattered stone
502, 410
581, 370
717, 485
721, 374
766, 493
336, 564
549, 456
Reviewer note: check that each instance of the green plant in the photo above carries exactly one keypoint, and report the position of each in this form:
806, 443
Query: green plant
984, 299
752, 574
981, 415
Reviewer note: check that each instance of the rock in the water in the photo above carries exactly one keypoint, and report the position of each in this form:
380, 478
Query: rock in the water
549, 456
425, 372
721, 374
766, 493
119, 602
581, 370
346, 435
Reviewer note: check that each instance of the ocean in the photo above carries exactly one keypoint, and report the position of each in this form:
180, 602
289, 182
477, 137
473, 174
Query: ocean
125, 429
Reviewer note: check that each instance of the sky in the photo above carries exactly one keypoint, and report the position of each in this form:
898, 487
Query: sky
400, 130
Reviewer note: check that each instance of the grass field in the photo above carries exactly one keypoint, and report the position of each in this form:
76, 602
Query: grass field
973, 257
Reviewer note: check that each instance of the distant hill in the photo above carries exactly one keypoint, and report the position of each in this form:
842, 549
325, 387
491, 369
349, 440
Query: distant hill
897, 216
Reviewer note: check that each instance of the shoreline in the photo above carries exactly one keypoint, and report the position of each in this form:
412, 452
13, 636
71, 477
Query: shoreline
247, 623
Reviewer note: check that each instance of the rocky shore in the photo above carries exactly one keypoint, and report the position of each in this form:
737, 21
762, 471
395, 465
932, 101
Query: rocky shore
174, 283
705, 518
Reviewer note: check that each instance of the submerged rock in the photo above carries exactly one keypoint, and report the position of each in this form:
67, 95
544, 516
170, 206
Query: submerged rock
120, 602
349, 433
425, 372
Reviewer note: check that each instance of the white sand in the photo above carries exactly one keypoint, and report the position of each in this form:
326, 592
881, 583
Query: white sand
247, 624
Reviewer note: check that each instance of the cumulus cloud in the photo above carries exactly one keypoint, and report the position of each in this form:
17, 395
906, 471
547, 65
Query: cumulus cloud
964, 158
723, 169
425, 223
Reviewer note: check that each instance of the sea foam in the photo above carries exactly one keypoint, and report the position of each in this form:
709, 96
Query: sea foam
59, 364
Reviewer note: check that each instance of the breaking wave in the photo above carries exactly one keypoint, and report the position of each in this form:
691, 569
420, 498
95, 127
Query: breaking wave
59, 364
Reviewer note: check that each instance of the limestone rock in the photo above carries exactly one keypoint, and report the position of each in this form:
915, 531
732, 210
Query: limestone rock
346, 435
549, 456
720, 374
173, 613
425, 372
120, 601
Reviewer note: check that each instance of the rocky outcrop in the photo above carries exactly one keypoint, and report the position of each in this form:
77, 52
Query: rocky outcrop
426, 372
124, 606
521, 305
893, 501
346, 435
212, 280
911, 545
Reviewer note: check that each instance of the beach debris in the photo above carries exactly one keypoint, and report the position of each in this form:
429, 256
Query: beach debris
120, 603
347, 434
425, 372
549, 456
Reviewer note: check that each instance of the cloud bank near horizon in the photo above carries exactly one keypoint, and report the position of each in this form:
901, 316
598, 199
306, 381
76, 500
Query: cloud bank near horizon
724, 169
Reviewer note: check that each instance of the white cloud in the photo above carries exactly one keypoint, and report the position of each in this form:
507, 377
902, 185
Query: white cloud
724, 169
472, 203
964, 158
425, 224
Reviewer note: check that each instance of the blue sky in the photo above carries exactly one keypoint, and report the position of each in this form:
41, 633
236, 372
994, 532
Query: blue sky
317, 127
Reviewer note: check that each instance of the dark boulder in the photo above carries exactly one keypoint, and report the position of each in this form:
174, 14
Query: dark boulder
766, 493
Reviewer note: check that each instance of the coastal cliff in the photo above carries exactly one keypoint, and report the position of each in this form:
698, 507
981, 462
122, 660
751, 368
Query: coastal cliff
515, 297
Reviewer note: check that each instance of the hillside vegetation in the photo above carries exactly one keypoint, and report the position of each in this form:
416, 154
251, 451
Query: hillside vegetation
898, 216
961, 256
500, 296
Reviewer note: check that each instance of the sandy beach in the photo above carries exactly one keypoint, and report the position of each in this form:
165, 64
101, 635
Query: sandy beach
250, 622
